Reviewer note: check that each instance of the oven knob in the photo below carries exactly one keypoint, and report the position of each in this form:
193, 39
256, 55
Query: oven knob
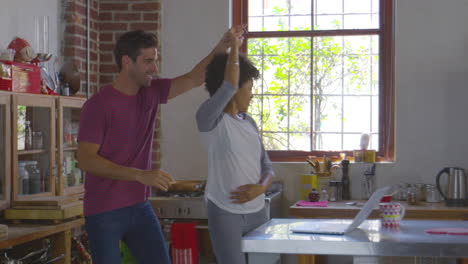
179, 211
160, 211
188, 211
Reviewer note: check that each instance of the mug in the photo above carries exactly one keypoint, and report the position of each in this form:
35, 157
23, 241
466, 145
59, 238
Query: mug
391, 214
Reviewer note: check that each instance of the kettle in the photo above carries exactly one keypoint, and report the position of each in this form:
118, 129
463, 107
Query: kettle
457, 191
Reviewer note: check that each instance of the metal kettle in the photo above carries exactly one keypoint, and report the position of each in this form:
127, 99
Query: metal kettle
457, 190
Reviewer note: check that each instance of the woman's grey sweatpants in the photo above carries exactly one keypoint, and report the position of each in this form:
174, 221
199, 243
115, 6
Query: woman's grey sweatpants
226, 231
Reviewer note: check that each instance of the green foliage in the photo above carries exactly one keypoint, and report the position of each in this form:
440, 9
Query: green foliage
311, 69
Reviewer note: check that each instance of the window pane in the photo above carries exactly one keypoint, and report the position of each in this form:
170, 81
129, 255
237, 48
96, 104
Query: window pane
300, 141
357, 116
255, 8
357, 6
275, 113
351, 141
275, 7
330, 22
276, 23
346, 14
281, 15
299, 112
285, 64
330, 114
374, 142
255, 110
328, 142
375, 114
328, 7
301, 7
301, 23
275, 141
255, 24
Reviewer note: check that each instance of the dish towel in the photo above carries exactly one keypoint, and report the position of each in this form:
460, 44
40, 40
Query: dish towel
312, 204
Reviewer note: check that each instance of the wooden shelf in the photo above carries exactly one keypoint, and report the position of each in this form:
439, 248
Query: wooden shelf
31, 151
74, 148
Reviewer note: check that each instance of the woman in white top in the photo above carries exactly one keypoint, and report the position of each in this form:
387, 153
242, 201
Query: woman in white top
239, 170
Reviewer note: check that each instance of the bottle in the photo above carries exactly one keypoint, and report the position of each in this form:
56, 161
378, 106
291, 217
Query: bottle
28, 136
314, 196
323, 194
345, 180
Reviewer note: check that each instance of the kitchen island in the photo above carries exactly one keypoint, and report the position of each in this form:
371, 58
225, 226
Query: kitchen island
267, 242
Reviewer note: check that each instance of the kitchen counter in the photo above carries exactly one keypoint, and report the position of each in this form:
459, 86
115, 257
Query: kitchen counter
428, 211
265, 243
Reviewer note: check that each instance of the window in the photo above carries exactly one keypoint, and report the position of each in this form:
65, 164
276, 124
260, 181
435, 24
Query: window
326, 74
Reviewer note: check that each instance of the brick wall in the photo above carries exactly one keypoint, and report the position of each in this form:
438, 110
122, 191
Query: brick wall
109, 19
75, 39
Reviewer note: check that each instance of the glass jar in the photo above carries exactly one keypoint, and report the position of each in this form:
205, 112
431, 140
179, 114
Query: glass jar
333, 191
412, 195
37, 140
432, 193
34, 177
402, 194
23, 178
314, 196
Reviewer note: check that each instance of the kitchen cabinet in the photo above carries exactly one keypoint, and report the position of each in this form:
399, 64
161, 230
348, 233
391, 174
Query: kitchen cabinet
33, 155
70, 180
44, 131
5, 150
22, 239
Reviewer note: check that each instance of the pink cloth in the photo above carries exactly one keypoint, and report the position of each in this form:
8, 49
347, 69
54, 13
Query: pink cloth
312, 204
123, 126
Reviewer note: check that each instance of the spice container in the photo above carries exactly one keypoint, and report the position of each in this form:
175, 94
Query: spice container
314, 196
335, 193
412, 196
432, 194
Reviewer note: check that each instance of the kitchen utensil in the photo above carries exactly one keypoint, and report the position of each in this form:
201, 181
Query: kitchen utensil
456, 183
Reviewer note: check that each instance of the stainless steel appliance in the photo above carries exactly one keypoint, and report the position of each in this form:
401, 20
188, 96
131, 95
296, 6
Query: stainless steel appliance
186, 204
456, 186
192, 205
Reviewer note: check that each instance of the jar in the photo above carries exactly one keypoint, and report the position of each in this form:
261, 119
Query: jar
34, 177
432, 193
23, 177
412, 195
314, 196
420, 192
336, 188
324, 194
37, 140
402, 194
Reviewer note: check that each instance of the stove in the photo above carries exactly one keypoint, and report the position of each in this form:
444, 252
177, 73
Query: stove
191, 205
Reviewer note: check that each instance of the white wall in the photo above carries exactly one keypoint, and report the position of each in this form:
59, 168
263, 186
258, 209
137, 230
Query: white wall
190, 30
430, 84
17, 18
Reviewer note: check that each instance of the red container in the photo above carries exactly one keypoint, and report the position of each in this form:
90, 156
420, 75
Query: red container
20, 77
184, 246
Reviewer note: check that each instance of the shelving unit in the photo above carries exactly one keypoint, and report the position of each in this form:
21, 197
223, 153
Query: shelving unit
5, 150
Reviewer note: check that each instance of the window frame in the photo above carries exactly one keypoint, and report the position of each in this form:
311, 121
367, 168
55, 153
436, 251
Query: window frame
386, 76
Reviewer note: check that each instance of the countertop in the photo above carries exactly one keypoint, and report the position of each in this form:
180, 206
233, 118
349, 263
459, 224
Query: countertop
424, 210
368, 240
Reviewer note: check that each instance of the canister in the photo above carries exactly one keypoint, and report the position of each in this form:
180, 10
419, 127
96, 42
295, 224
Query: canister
308, 182
432, 194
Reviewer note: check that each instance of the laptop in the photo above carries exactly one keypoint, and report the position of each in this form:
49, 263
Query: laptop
341, 227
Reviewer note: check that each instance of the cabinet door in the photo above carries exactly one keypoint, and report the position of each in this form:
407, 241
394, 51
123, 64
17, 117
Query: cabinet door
5, 150
34, 148
70, 178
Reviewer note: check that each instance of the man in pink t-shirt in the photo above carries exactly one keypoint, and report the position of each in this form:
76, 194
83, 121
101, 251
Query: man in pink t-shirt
115, 142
